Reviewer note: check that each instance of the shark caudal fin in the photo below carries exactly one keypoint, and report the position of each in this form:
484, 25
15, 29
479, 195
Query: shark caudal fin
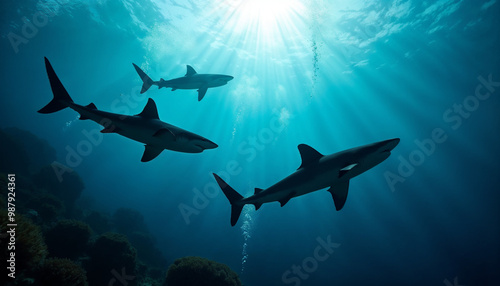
61, 98
147, 82
233, 197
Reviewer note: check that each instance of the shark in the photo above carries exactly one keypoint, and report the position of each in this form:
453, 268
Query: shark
316, 172
145, 127
192, 80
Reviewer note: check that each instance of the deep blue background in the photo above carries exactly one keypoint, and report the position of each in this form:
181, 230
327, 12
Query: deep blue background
331, 74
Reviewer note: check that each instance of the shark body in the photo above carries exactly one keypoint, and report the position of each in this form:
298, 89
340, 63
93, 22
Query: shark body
315, 173
192, 80
145, 127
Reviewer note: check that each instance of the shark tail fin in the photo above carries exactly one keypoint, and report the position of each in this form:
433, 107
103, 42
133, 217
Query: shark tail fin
61, 98
233, 197
147, 82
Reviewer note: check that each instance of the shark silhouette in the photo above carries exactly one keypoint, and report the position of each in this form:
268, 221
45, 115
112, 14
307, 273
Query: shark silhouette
145, 127
315, 173
192, 80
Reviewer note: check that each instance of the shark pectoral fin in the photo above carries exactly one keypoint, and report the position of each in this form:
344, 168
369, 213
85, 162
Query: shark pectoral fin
346, 169
83, 117
308, 155
257, 205
150, 153
201, 92
109, 129
287, 198
339, 194
165, 131
150, 111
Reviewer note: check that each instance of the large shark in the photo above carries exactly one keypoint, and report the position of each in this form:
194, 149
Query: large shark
316, 172
145, 127
192, 80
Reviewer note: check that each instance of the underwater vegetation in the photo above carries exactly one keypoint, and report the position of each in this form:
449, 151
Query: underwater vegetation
15, 160
193, 270
62, 241
47, 206
62, 272
98, 222
68, 238
128, 220
110, 251
29, 246
68, 190
144, 243
38, 152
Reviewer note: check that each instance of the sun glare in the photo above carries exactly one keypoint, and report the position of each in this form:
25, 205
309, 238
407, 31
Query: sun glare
265, 12
265, 17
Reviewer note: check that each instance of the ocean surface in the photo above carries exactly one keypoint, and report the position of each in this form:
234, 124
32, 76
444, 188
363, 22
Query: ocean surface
330, 74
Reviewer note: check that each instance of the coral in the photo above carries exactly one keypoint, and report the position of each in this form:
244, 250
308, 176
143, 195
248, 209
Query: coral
48, 206
128, 220
146, 250
68, 190
14, 156
38, 150
98, 222
148, 281
22, 152
200, 271
156, 273
111, 252
30, 248
62, 272
68, 238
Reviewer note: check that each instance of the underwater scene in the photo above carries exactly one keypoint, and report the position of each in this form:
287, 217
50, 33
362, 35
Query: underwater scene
250, 142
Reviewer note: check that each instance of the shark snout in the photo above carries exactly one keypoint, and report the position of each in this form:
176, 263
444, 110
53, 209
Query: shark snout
205, 144
210, 145
389, 145
224, 78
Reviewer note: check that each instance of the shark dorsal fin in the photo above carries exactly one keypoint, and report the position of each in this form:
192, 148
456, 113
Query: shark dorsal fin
258, 190
91, 106
150, 111
190, 71
309, 155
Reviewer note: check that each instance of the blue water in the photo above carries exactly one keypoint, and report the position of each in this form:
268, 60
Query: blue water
330, 74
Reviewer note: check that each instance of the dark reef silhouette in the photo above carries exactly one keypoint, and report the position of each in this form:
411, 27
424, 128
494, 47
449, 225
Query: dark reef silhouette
62, 272
193, 270
62, 240
68, 238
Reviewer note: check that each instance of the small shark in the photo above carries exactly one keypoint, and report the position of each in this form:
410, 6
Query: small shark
316, 172
145, 127
192, 80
